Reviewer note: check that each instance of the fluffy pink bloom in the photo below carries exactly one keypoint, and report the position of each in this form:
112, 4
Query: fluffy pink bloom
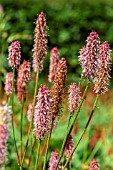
23, 78
29, 112
53, 64
53, 161
14, 54
89, 56
74, 97
42, 116
102, 77
69, 146
8, 84
40, 40
94, 165
5, 117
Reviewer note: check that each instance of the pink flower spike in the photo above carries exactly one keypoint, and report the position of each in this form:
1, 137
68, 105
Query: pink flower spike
53, 64
42, 116
69, 146
40, 42
74, 97
53, 161
14, 54
94, 165
8, 84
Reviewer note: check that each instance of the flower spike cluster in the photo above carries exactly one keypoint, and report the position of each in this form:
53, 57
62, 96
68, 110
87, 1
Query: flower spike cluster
8, 84
53, 161
23, 78
102, 78
40, 42
74, 97
53, 64
42, 116
89, 56
69, 146
5, 118
58, 87
94, 165
14, 54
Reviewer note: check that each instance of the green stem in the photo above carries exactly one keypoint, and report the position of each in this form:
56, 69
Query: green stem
48, 140
38, 154
12, 118
72, 124
34, 102
87, 124
21, 128
80, 81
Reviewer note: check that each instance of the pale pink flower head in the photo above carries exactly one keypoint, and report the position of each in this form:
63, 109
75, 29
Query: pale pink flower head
69, 146
29, 112
101, 80
14, 54
53, 161
5, 118
42, 116
53, 64
94, 165
74, 97
40, 42
8, 84
23, 78
89, 56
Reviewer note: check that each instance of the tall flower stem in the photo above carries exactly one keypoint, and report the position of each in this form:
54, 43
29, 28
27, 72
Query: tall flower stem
38, 154
34, 102
80, 81
72, 124
12, 118
87, 124
48, 140
21, 127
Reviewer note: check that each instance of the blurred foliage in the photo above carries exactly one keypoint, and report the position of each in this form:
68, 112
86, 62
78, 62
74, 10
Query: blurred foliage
69, 23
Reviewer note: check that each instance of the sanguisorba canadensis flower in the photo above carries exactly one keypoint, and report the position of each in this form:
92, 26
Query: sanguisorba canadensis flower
89, 56
40, 42
74, 97
8, 84
22, 79
69, 146
58, 87
53, 64
42, 114
53, 161
94, 165
102, 78
14, 54
29, 112
5, 118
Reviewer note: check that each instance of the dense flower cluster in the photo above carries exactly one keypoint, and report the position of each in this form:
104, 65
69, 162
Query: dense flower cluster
69, 146
58, 87
40, 39
53, 161
42, 116
5, 117
89, 56
14, 54
94, 165
74, 97
102, 78
23, 78
53, 64
29, 112
8, 84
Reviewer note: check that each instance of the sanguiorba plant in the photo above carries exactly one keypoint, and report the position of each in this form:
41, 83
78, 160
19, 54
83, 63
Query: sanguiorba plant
44, 111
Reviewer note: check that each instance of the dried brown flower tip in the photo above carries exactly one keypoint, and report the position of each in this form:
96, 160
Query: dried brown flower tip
53, 64
22, 79
58, 87
102, 78
40, 42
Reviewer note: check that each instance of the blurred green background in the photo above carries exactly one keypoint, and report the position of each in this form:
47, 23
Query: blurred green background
69, 23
